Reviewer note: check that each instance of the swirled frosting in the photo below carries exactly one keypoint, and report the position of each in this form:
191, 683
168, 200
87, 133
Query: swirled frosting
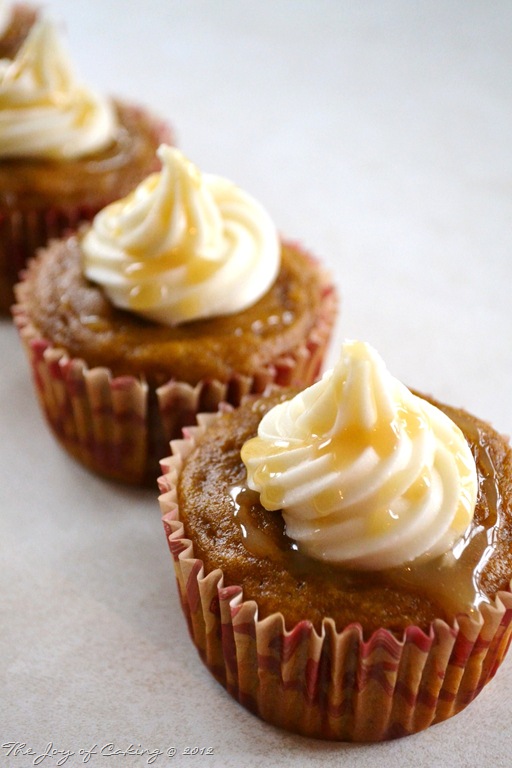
366, 473
44, 111
5, 16
182, 246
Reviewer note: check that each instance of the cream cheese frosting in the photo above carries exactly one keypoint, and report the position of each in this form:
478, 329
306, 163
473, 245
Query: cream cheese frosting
44, 111
5, 16
366, 473
182, 246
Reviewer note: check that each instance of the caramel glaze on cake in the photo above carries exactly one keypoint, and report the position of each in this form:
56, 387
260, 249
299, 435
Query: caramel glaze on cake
230, 530
74, 314
22, 19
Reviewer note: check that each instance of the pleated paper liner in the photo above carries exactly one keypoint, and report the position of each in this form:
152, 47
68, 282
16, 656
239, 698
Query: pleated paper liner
334, 684
23, 232
121, 427
25, 228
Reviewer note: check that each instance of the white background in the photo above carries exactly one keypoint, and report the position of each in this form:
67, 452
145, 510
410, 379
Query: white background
377, 133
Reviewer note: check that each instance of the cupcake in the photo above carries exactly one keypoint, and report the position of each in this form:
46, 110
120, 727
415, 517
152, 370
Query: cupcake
16, 22
65, 151
175, 299
342, 553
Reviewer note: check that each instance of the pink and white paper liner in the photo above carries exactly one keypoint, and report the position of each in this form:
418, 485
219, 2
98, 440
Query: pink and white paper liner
121, 427
334, 684
23, 232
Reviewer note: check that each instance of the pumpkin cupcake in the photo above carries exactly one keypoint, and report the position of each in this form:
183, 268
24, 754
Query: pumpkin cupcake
343, 553
177, 298
65, 151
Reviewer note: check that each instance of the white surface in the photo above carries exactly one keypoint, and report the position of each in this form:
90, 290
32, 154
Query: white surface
378, 135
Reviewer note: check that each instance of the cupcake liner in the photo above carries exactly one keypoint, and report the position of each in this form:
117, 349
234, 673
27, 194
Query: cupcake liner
23, 231
334, 684
121, 427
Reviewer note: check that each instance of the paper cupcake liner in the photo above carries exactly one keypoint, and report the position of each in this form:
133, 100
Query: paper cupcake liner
334, 684
121, 427
22, 231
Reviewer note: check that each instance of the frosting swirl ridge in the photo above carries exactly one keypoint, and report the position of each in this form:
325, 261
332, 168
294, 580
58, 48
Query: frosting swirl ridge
5, 16
44, 111
182, 246
366, 473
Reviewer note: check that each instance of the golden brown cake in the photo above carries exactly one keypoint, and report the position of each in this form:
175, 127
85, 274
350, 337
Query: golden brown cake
74, 314
330, 649
45, 195
75, 337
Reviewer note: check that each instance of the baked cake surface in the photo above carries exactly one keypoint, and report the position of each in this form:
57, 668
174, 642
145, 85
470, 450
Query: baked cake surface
74, 314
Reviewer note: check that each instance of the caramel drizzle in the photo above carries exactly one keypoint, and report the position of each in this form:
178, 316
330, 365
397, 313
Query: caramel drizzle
452, 580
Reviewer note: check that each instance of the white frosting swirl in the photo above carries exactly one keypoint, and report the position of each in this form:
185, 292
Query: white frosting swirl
182, 246
5, 16
366, 473
44, 111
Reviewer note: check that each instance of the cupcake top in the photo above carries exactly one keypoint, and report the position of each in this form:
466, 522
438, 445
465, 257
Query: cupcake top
184, 278
45, 112
183, 246
231, 530
366, 473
